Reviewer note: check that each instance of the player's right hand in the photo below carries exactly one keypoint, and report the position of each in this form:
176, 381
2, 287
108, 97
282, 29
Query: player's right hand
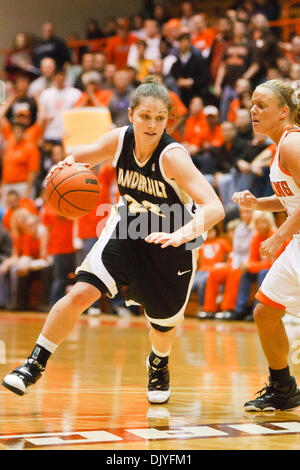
68, 161
245, 199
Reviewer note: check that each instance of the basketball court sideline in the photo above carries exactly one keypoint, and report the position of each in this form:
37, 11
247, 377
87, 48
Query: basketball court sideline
93, 394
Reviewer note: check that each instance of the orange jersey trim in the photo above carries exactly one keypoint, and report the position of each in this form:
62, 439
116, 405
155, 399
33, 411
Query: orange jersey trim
261, 297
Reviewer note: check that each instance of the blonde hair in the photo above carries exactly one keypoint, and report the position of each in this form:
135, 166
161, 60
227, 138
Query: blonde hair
287, 96
266, 215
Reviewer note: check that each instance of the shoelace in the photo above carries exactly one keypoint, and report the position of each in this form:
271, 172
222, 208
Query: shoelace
155, 375
268, 389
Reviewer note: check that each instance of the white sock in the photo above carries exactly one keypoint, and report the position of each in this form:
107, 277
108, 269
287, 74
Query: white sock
159, 354
46, 343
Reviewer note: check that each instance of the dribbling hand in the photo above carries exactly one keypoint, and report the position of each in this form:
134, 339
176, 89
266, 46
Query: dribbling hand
245, 199
68, 161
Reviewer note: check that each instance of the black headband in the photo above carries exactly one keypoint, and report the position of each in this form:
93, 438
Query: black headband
276, 88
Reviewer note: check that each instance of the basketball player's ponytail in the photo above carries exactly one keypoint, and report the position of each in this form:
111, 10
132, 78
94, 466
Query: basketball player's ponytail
152, 86
286, 95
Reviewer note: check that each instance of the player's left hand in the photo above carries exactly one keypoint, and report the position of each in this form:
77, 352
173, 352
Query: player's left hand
270, 247
165, 239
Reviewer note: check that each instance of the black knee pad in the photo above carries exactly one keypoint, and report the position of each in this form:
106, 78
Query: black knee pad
163, 329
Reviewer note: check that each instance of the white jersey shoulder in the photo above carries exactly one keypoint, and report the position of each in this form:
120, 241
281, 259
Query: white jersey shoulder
282, 182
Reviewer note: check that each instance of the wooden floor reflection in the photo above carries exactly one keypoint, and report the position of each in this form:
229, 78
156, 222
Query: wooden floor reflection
92, 395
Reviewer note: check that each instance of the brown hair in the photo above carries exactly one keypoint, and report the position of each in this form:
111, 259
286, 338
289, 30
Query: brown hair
152, 86
287, 96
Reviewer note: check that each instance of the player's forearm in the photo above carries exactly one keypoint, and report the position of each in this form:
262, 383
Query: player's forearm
206, 217
290, 227
271, 204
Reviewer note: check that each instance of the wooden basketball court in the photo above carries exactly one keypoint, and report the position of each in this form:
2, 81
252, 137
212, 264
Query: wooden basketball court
93, 394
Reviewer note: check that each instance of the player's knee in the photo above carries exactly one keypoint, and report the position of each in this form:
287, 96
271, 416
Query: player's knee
263, 314
84, 295
161, 329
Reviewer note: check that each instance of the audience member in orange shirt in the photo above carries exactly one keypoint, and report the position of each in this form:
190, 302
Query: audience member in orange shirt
20, 164
214, 250
194, 125
117, 47
203, 36
228, 274
176, 116
93, 95
257, 266
14, 202
59, 242
29, 254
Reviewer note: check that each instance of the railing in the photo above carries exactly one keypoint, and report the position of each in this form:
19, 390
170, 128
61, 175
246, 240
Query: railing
288, 25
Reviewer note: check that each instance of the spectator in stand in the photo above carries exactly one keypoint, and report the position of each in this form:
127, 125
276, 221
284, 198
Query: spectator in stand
257, 266
45, 80
51, 154
108, 77
19, 60
99, 62
20, 163
244, 125
214, 250
141, 64
120, 100
152, 39
169, 81
229, 274
229, 159
194, 125
59, 240
29, 254
137, 26
203, 37
171, 32
242, 87
209, 139
55, 101
268, 8
167, 58
110, 26
295, 76
284, 66
87, 65
221, 41
189, 70
292, 50
117, 47
13, 201
186, 16
132, 73
5, 253
93, 94
19, 101
93, 30
239, 61
266, 46
160, 14
51, 46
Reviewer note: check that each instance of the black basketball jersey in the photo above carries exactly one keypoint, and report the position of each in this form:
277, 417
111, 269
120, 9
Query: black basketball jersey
150, 202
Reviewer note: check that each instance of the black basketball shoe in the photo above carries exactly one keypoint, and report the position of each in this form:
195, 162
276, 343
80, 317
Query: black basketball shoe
158, 385
22, 377
273, 397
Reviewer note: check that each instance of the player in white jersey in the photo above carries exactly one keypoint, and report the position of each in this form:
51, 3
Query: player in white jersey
276, 114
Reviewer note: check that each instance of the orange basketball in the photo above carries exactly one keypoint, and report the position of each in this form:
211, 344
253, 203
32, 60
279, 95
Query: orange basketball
73, 190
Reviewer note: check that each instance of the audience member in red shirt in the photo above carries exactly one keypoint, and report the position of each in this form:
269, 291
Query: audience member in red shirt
117, 47
194, 125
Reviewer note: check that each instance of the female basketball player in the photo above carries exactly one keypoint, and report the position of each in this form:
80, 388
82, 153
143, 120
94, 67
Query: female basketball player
144, 249
275, 112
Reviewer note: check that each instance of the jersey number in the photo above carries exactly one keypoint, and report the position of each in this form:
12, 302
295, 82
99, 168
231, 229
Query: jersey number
136, 207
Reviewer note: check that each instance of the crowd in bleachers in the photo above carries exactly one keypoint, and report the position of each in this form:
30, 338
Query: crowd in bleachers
210, 67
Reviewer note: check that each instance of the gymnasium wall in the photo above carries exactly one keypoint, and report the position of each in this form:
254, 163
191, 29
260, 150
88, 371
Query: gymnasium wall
67, 15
